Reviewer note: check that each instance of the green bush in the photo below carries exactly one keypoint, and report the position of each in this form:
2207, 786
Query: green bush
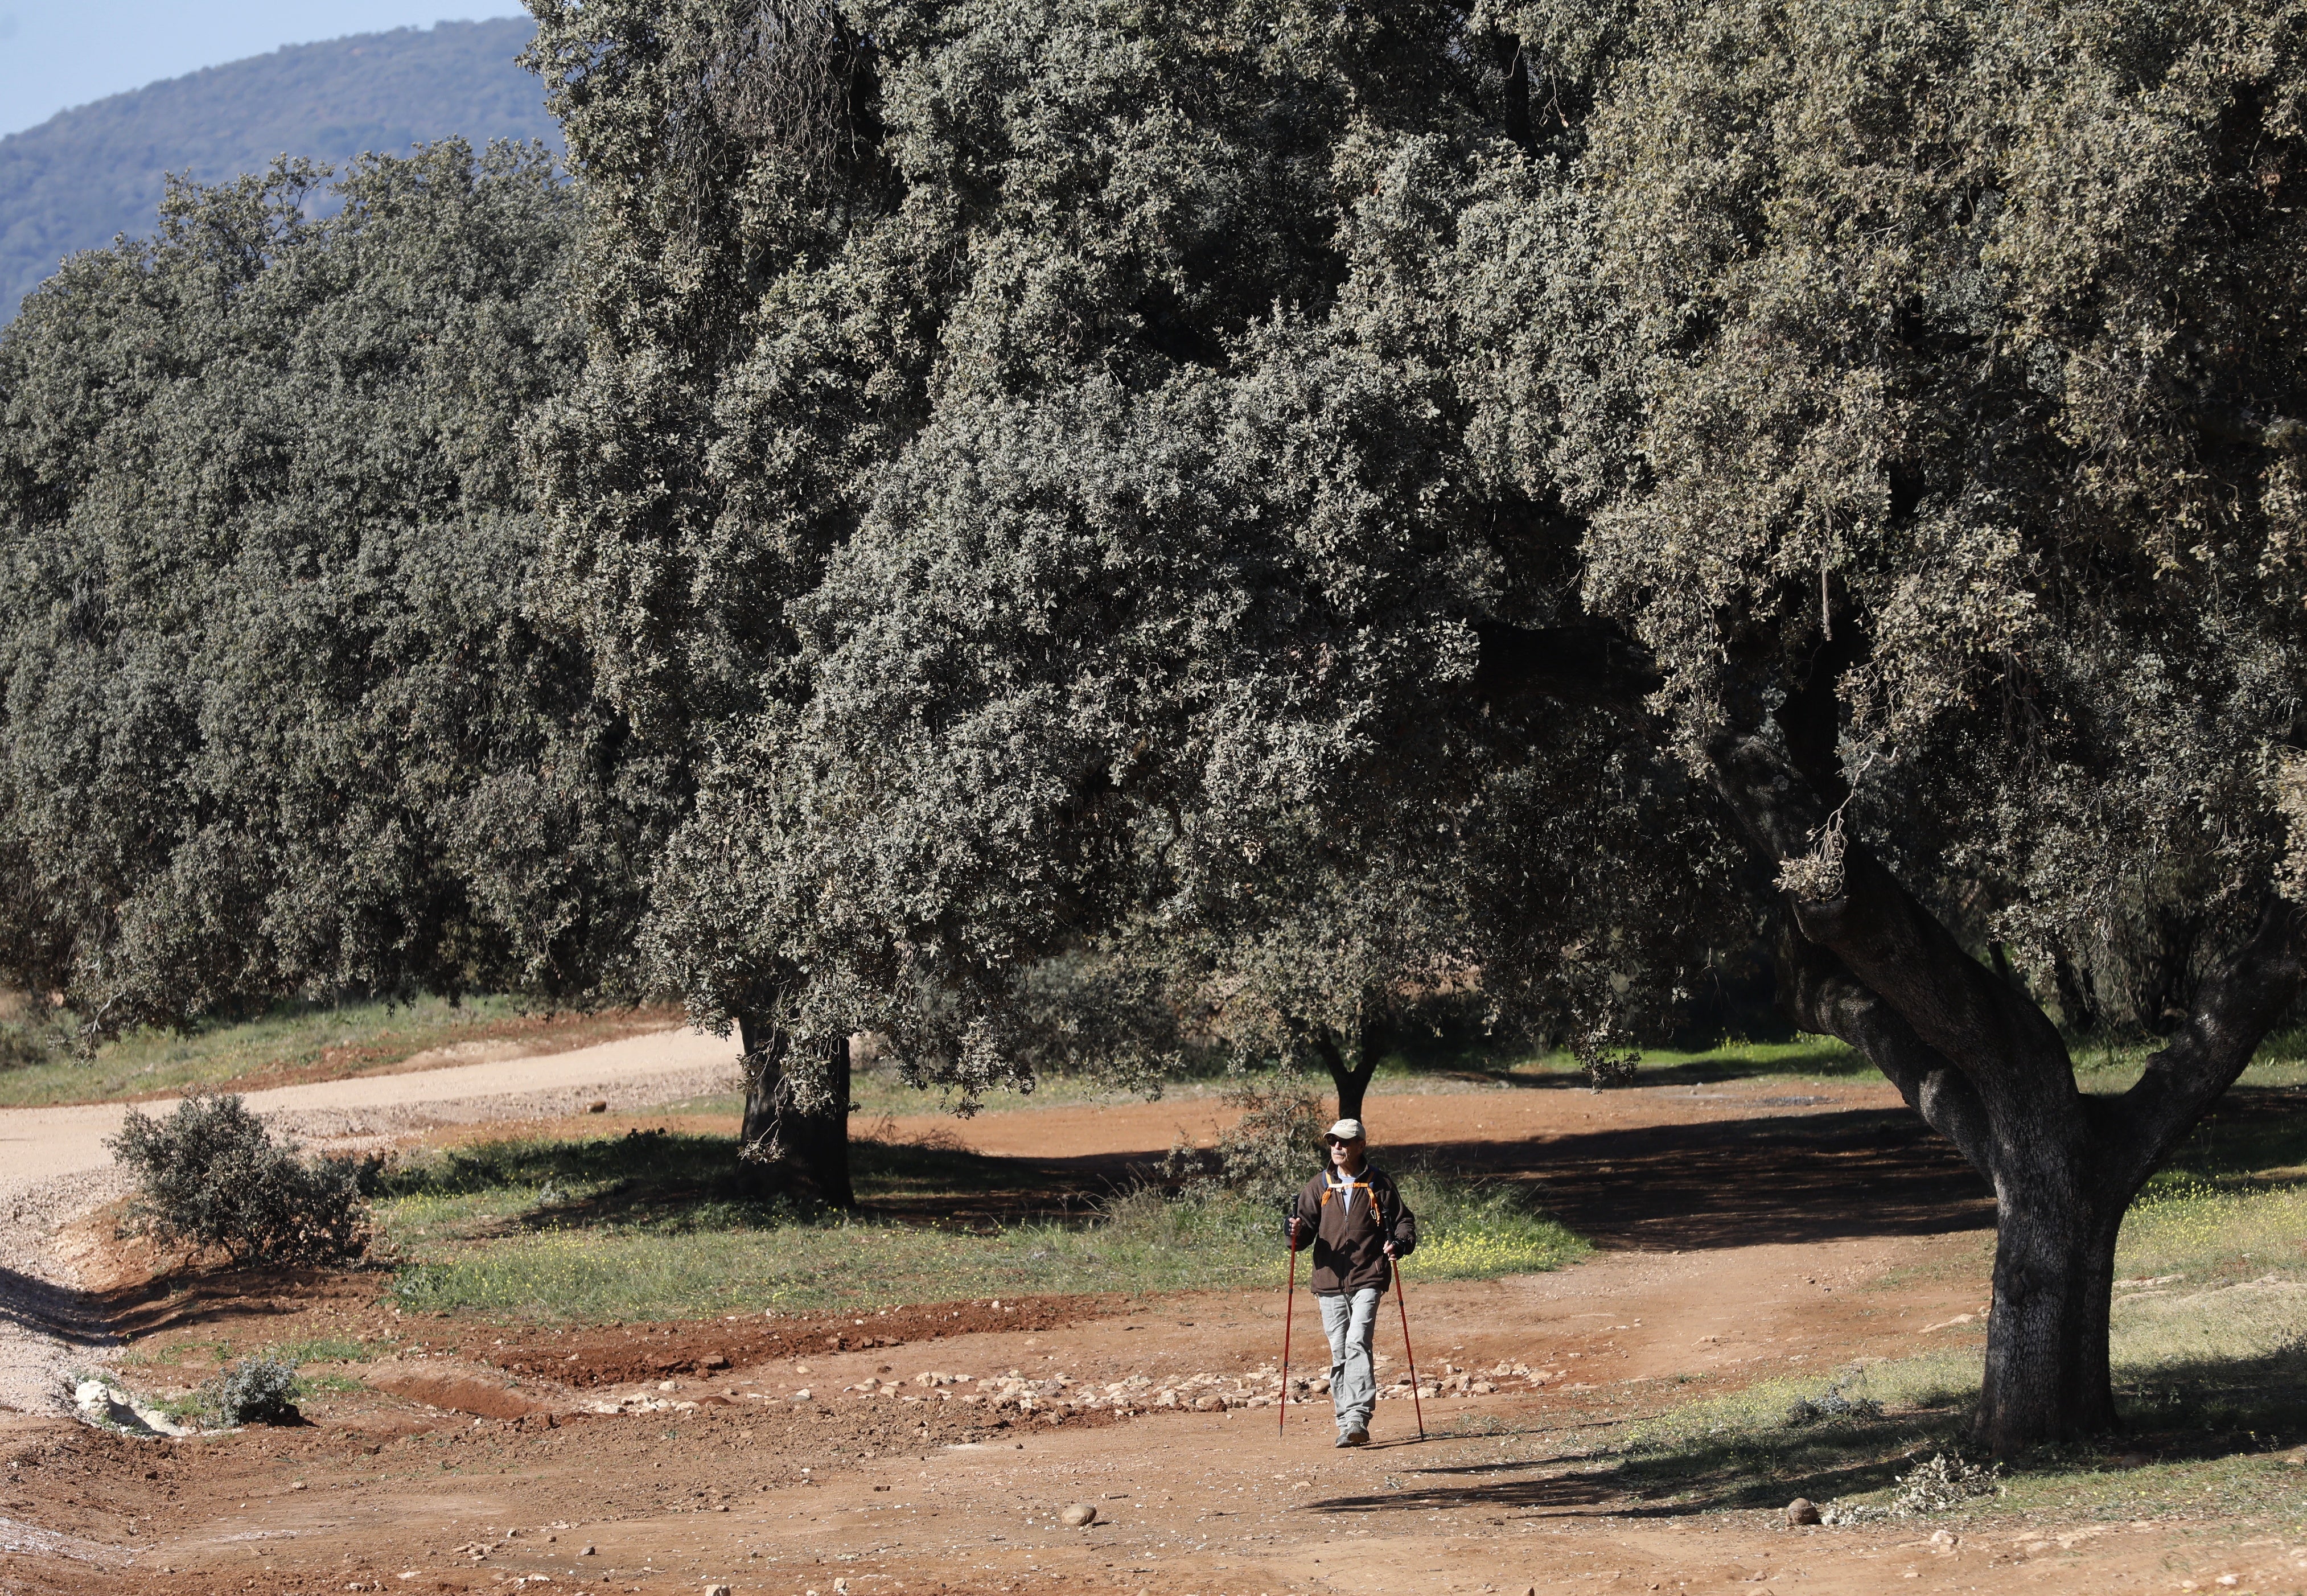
1265, 1156
211, 1176
253, 1391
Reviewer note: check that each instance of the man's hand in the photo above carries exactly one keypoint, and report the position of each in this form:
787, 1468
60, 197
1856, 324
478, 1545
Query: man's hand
1293, 1229
1389, 1250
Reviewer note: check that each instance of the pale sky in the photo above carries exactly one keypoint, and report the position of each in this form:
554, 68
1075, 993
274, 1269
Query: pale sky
55, 54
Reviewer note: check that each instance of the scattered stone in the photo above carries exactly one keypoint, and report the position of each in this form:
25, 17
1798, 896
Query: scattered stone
716, 1590
1800, 1511
1078, 1516
599, 1105
589, 1551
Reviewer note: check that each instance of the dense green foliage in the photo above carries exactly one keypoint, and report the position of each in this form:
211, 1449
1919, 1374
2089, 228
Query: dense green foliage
1021, 315
1331, 498
209, 1175
277, 716
97, 170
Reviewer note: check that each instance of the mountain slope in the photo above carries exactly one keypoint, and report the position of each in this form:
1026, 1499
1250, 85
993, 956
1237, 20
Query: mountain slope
94, 171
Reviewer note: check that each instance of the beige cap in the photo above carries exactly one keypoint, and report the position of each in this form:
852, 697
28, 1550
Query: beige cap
1345, 1130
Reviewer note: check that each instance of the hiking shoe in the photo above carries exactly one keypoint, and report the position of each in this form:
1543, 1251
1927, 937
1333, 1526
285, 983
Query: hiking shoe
1354, 1437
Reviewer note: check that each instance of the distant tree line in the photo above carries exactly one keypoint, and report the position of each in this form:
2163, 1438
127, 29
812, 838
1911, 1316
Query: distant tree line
88, 174
1062, 530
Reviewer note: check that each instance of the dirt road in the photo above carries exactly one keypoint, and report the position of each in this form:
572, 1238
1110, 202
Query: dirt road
842, 1456
39, 1145
53, 1166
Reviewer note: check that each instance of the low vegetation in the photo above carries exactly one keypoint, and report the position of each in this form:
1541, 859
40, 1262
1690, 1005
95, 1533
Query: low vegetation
660, 1226
210, 1177
260, 1390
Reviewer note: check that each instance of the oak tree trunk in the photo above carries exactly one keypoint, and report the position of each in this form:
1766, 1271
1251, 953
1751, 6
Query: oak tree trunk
1351, 1080
1858, 958
2047, 1376
797, 1148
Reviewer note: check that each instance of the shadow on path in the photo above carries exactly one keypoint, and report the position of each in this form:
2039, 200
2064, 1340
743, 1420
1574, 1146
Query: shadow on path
1731, 1182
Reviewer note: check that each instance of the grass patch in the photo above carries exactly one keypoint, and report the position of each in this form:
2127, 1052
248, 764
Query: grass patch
2208, 1333
1432, 1066
296, 1040
326, 1349
660, 1226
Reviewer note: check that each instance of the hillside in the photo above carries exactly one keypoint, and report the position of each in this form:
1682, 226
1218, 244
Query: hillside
89, 173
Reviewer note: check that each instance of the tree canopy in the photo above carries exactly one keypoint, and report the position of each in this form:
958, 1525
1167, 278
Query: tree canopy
1648, 473
278, 715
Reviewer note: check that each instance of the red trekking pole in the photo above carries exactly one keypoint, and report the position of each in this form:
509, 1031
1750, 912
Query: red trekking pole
1289, 1309
1417, 1405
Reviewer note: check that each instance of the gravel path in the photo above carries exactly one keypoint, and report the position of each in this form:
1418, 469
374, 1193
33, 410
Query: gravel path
53, 1166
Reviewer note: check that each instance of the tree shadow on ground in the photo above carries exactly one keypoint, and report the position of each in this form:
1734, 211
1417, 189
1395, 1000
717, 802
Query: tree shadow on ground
2185, 1412
1783, 1177
1779, 1178
33, 1304
189, 1297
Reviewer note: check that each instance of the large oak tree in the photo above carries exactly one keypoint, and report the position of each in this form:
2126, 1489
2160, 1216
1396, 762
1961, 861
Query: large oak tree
1861, 435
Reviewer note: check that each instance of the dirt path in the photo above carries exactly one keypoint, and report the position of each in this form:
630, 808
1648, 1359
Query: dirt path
660, 1458
735, 1475
39, 1145
53, 1166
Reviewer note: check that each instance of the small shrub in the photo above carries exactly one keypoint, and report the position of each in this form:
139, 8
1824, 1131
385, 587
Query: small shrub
253, 1390
211, 1176
1265, 1156
1833, 1405
24, 1047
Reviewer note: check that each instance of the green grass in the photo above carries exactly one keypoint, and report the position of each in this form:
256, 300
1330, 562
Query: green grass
1440, 1068
660, 1226
2206, 1338
366, 1035
2110, 1065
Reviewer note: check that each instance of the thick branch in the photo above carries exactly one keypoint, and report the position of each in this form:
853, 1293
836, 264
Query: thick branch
2006, 1046
1351, 1081
1822, 996
2234, 1009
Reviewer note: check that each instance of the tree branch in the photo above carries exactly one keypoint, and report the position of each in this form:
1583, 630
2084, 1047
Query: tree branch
2234, 1009
1897, 949
1822, 996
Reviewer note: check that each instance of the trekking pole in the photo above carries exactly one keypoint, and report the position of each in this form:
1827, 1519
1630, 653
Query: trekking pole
1289, 1310
1416, 1405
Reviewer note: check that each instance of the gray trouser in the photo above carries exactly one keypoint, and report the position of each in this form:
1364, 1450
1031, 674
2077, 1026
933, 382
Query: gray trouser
1348, 1321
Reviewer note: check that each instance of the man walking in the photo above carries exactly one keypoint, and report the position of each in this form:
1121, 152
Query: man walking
1357, 1223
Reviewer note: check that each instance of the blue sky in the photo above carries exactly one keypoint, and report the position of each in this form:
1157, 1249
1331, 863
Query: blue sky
55, 54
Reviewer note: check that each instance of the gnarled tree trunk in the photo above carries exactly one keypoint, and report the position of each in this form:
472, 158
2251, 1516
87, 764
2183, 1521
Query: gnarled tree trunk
2046, 1349
1859, 958
1350, 1079
806, 1148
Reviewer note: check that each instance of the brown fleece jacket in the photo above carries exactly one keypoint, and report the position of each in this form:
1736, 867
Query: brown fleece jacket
1349, 1247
